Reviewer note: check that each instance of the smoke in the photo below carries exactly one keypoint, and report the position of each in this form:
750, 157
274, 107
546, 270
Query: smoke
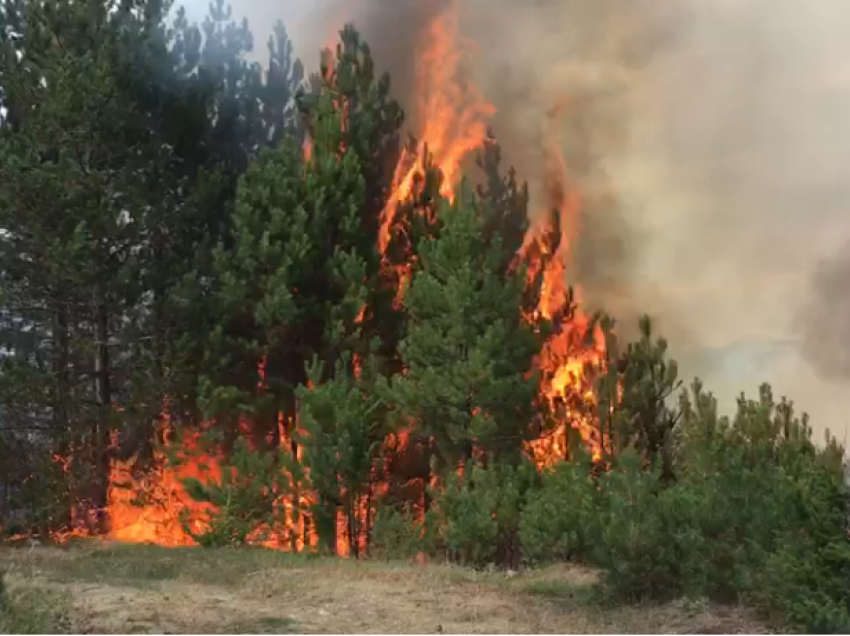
710, 141
566, 78
825, 321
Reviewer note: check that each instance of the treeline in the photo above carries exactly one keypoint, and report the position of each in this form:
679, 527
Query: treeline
185, 230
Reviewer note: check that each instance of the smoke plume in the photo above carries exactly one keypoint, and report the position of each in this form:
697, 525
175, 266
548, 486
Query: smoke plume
710, 142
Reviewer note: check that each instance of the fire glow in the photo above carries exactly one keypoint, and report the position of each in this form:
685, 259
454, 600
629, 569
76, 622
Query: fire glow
152, 505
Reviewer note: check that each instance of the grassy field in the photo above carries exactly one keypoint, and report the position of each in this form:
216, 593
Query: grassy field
99, 588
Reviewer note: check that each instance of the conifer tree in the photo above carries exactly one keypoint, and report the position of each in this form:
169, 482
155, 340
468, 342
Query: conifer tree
372, 118
218, 112
506, 200
634, 393
295, 283
75, 164
370, 121
468, 351
243, 501
343, 422
156, 125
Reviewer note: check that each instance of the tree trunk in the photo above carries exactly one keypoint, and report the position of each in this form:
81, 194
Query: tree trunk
103, 399
353, 534
61, 394
61, 361
292, 424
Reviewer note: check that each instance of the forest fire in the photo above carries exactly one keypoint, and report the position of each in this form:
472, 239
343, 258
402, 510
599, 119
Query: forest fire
151, 508
153, 505
455, 119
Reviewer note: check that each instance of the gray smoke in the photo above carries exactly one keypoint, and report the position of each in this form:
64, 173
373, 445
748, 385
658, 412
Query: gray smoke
825, 319
710, 141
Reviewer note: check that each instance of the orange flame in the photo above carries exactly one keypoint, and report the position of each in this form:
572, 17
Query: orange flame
454, 114
572, 348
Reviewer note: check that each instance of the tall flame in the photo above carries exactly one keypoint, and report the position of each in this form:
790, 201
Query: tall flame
577, 343
454, 117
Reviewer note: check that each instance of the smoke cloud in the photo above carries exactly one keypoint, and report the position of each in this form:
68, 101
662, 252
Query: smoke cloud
710, 141
825, 321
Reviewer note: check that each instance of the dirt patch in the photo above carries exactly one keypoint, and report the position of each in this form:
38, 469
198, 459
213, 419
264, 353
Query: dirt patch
144, 590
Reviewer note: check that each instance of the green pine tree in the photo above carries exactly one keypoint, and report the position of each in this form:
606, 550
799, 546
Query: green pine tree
296, 283
245, 501
468, 351
343, 424
506, 200
76, 163
634, 406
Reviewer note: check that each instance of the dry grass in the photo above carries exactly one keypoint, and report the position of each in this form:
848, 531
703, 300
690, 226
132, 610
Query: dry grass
141, 589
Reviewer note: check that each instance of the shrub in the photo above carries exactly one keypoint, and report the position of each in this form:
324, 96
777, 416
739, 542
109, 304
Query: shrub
756, 512
399, 535
635, 542
557, 523
806, 587
478, 513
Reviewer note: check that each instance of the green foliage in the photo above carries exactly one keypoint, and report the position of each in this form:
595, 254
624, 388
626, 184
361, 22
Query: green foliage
344, 423
468, 350
639, 382
557, 522
302, 266
478, 514
400, 534
243, 500
640, 543
506, 202
805, 585
757, 512
371, 119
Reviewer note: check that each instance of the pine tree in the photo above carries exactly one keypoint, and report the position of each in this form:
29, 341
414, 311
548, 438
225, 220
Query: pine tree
370, 122
343, 424
506, 201
244, 501
296, 283
371, 119
145, 176
284, 291
75, 164
468, 351
218, 112
634, 394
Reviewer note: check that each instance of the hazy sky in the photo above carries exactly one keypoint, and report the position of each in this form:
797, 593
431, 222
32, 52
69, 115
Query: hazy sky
721, 130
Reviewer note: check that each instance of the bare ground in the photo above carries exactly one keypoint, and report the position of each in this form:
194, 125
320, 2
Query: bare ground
144, 589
